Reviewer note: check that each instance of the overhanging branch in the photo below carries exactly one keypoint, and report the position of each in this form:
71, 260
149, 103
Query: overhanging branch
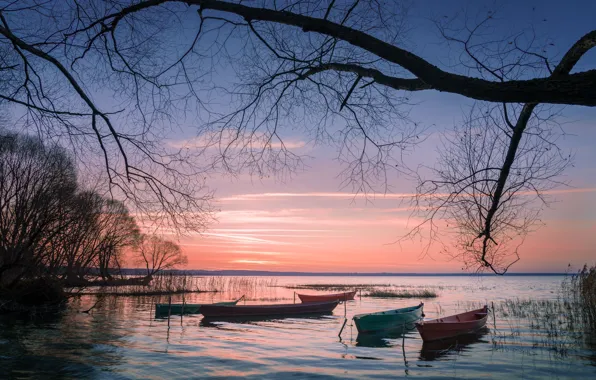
578, 88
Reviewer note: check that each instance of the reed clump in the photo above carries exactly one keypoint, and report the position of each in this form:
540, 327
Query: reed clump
417, 293
179, 283
336, 287
564, 325
580, 289
530, 326
251, 287
161, 284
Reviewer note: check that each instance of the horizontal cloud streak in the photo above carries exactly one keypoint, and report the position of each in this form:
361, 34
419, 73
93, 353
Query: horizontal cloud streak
249, 197
273, 253
258, 262
245, 239
266, 230
229, 139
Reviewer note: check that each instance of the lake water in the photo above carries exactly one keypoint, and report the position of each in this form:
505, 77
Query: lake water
121, 339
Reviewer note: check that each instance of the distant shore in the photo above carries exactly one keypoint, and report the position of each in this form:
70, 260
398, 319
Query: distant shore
198, 272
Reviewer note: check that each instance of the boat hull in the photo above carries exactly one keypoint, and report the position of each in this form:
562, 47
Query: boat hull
403, 318
346, 296
165, 309
452, 326
219, 311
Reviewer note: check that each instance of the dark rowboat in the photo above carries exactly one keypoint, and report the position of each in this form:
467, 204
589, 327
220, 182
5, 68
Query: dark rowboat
165, 309
346, 296
454, 325
210, 311
388, 319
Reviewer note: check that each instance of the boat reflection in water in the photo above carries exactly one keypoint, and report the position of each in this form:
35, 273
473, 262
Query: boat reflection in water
441, 348
218, 322
385, 338
273, 310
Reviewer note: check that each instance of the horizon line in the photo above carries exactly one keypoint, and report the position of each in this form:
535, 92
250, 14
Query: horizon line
298, 273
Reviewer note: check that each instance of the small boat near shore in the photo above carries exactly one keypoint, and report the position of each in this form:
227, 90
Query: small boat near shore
388, 319
346, 296
453, 325
218, 311
165, 309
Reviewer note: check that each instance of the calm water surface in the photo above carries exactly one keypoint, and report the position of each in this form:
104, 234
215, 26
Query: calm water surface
121, 339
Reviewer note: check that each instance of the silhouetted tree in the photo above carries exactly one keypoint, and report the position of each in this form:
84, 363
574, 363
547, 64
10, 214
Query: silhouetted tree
102, 230
494, 172
117, 232
456, 196
36, 182
48, 227
157, 254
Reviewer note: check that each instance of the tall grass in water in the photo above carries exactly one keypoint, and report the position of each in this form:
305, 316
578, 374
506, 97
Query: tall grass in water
365, 287
161, 284
234, 287
417, 293
180, 283
336, 287
565, 325
580, 289
530, 326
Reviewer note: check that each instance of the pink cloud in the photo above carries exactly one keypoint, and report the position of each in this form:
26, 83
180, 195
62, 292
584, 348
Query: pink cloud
257, 262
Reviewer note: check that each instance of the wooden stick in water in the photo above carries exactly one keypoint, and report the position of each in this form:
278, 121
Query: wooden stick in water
182, 312
169, 309
403, 345
492, 305
342, 327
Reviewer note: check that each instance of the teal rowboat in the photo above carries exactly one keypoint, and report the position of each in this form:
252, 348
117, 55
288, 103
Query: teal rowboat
165, 309
389, 319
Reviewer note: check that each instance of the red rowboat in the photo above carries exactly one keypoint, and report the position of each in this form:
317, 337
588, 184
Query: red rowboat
210, 311
326, 297
454, 325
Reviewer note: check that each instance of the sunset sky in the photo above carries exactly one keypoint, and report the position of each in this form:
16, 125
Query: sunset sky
310, 223
306, 224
